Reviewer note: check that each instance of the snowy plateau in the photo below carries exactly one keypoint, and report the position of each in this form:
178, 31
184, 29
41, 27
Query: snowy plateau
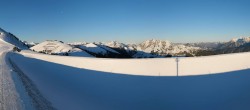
54, 75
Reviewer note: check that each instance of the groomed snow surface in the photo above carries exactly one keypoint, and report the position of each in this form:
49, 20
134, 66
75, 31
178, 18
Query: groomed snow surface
75, 83
12, 92
154, 67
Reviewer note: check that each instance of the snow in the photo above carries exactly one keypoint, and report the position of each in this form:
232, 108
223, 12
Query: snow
93, 48
94, 84
236, 42
30, 44
214, 64
11, 39
12, 93
53, 46
154, 45
30, 79
115, 44
108, 49
68, 87
123, 66
163, 47
241, 40
57, 47
156, 67
77, 43
144, 49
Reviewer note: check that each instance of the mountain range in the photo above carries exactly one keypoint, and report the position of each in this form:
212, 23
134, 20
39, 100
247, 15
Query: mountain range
148, 49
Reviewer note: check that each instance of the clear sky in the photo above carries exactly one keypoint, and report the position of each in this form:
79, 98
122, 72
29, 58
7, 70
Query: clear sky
129, 21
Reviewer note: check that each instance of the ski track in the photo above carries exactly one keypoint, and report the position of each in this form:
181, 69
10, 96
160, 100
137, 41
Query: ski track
16, 90
9, 98
39, 102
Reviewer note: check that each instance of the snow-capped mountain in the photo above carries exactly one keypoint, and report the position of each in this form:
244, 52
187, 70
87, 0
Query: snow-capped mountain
147, 49
236, 42
129, 48
161, 47
60, 48
154, 46
235, 45
241, 40
204, 45
12, 39
115, 44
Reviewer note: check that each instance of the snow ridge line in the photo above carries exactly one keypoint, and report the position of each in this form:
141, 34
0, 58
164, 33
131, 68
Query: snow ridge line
39, 102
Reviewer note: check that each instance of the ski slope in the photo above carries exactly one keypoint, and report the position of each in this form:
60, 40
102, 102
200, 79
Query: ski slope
69, 85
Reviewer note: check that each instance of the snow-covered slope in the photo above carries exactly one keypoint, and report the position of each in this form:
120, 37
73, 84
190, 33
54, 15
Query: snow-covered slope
13, 95
156, 67
91, 47
68, 83
10, 38
58, 47
108, 49
123, 66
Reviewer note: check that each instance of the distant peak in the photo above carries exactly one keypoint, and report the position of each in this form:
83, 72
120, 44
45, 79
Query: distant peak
156, 41
241, 39
114, 41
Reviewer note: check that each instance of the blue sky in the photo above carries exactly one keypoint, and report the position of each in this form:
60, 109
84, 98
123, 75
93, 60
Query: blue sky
129, 21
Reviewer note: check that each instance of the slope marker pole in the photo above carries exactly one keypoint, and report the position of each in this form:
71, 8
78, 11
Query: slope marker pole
177, 65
